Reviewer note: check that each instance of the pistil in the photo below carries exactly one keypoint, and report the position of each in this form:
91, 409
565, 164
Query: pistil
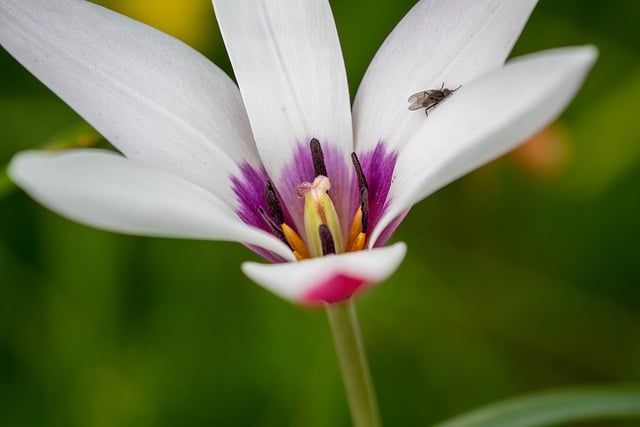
319, 210
322, 230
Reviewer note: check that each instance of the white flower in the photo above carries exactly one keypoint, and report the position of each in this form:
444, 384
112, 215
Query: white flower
202, 159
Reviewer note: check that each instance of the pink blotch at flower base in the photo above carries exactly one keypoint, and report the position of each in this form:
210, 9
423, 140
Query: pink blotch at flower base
335, 289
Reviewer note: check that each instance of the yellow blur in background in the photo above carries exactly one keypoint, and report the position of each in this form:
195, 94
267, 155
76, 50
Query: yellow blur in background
191, 21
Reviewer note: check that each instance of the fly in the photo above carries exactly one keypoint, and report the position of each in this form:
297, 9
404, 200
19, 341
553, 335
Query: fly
428, 99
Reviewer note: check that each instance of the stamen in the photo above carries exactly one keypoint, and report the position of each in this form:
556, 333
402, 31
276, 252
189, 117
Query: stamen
362, 180
364, 206
356, 237
326, 238
363, 187
358, 243
299, 248
273, 203
275, 228
318, 158
356, 227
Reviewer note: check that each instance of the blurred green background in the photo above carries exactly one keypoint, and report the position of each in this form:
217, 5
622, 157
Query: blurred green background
522, 276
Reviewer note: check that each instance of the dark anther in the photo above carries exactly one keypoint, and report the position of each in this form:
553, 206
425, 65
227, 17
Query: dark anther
273, 203
363, 192
362, 180
364, 206
275, 228
318, 158
326, 238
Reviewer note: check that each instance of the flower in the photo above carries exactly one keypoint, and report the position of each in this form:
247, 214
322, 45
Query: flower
270, 164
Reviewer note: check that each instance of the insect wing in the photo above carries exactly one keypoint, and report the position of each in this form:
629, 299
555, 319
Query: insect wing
416, 106
429, 98
418, 96
420, 100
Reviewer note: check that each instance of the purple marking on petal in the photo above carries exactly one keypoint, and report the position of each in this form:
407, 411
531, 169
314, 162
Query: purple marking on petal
249, 189
266, 254
300, 169
377, 165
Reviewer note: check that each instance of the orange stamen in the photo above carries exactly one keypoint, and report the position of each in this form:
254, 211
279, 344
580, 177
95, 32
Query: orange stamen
358, 243
356, 227
300, 250
356, 236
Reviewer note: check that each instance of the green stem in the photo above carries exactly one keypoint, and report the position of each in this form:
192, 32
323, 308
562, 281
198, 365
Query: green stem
353, 363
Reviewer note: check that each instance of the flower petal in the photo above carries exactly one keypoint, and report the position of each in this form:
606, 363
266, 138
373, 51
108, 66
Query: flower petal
287, 59
103, 189
438, 41
485, 119
157, 100
330, 278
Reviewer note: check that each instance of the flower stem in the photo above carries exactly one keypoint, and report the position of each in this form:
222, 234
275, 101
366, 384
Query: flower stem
353, 363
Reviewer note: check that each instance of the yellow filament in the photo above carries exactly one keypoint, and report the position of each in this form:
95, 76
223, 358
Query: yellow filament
357, 238
300, 250
358, 243
356, 229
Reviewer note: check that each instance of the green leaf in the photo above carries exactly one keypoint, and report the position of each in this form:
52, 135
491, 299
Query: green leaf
554, 407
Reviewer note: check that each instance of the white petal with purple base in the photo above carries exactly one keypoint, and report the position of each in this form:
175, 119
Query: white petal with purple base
287, 59
104, 190
438, 41
483, 120
156, 99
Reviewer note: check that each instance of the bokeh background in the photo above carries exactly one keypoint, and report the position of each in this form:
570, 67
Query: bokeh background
522, 276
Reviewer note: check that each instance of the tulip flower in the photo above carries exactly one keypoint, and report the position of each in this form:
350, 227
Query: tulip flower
280, 162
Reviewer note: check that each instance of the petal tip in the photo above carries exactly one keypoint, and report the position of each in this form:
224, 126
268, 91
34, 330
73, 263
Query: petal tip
21, 163
587, 54
342, 286
327, 279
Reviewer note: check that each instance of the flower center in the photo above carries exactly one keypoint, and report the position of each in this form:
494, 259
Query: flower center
322, 230
321, 222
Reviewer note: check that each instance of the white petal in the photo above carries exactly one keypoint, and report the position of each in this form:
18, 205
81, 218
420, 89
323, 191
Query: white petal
438, 41
287, 59
104, 190
156, 99
330, 278
485, 119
